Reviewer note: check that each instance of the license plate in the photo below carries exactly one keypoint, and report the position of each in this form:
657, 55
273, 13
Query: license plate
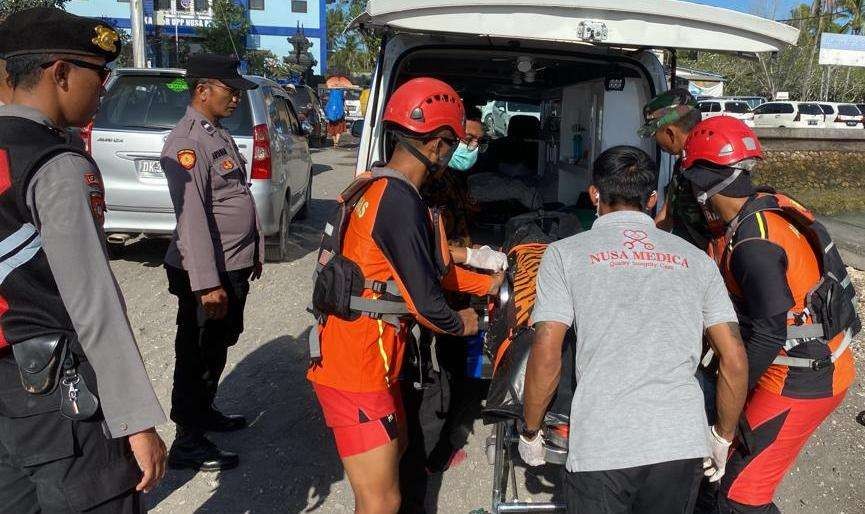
812, 122
852, 123
149, 169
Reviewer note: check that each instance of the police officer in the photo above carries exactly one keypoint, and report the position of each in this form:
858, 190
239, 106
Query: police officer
217, 248
86, 441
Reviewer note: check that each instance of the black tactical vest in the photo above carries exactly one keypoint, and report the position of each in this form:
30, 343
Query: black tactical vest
30, 304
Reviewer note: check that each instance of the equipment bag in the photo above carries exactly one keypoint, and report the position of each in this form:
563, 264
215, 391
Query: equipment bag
830, 306
338, 283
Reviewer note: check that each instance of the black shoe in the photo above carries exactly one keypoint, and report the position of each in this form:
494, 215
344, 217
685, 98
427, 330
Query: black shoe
219, 422
199, 453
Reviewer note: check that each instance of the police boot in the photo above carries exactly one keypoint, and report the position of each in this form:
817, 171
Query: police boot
219, 422
191, 450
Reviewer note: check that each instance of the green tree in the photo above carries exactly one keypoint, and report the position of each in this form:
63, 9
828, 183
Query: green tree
7, 7
227, 33
350, 50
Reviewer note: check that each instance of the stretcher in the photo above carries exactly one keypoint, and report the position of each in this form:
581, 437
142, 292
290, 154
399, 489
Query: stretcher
507, 344
501, 447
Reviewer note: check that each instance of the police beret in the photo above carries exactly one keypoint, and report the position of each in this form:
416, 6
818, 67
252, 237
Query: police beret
46, 30
220, 67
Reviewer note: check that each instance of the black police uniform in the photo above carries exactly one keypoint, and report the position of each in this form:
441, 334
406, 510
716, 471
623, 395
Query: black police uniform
61, 451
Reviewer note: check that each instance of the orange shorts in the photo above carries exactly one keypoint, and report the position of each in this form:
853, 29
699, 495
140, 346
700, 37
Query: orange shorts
361, 421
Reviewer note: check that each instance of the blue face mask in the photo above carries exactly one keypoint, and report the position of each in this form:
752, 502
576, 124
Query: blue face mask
463, 158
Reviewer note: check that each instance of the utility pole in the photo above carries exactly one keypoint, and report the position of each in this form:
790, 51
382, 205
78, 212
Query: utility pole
137, 18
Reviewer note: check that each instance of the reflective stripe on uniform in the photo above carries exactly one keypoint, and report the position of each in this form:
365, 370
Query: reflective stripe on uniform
16, 239
761, 224
24, 254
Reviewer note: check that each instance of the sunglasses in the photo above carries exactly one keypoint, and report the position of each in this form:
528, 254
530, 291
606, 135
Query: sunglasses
101, 69
236, 93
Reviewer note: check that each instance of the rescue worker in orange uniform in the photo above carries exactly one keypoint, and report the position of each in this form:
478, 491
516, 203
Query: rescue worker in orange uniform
770, 265
393, 238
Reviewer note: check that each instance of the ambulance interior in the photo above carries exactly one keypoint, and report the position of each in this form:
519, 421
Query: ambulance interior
548, 116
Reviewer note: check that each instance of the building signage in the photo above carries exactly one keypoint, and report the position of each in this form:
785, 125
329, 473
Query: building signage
842, 50
183, 19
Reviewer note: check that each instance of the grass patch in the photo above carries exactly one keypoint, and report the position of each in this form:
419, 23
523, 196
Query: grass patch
828, 183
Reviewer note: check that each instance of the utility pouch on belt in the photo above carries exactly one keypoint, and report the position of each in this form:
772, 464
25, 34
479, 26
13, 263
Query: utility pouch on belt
45, 362
40, 361
335, 284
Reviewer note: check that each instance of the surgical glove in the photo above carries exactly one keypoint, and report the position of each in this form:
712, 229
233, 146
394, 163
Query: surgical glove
486, 258
716, 464
532, 451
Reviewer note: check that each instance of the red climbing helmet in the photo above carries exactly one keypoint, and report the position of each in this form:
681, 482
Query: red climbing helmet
721, 141
425, 105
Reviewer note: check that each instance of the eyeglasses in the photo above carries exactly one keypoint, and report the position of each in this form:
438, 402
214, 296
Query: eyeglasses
481, 143
236, 93
101, 69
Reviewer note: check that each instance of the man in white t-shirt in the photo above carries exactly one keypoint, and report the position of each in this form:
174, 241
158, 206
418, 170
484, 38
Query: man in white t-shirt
641, 300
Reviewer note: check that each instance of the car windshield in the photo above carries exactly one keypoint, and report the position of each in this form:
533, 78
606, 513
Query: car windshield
810, 109
737, 107
521, 107
156, 102
848, 110
827, 109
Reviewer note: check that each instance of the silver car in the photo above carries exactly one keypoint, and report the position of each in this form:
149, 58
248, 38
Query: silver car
141, 107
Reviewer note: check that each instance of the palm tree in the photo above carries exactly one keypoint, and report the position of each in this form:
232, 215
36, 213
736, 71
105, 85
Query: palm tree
853, 12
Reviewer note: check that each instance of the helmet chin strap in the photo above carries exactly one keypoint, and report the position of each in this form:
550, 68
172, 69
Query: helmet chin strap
432, 167
703, 197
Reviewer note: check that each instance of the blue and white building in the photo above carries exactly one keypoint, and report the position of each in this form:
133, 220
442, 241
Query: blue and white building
273, 22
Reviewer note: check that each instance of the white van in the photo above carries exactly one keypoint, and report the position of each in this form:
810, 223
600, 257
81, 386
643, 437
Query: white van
586, 64
789, 115
840, 115
721, 107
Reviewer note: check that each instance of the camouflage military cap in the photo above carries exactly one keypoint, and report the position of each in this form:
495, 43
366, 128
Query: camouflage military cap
666, 108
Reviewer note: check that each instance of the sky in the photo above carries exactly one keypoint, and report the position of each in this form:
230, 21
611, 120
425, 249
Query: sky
782, 7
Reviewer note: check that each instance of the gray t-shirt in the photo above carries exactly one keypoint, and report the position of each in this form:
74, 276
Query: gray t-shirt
639, 299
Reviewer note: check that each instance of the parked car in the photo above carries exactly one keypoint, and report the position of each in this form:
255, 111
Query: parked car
789, 115
846, 116
497, 114
752, 101
309, 109
732, 108
140, 108
572, 66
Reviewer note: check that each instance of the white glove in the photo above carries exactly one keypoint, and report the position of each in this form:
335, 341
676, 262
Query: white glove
532, 452
486, 258
716, 464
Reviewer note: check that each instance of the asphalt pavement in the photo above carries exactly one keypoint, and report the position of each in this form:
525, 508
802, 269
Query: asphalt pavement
288, 460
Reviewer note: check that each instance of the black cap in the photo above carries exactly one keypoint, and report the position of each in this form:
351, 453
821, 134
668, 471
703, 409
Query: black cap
219, 67
46, 30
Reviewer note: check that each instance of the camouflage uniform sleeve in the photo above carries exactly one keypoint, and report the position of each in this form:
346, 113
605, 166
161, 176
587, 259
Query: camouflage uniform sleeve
187, 171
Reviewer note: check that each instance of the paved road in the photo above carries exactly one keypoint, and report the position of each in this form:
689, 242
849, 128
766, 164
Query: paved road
289, 464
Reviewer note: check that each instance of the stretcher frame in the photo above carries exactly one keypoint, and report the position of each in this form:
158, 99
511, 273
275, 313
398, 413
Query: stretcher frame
500, 447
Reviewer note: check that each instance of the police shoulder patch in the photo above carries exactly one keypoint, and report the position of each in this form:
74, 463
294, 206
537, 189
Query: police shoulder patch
186, 158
